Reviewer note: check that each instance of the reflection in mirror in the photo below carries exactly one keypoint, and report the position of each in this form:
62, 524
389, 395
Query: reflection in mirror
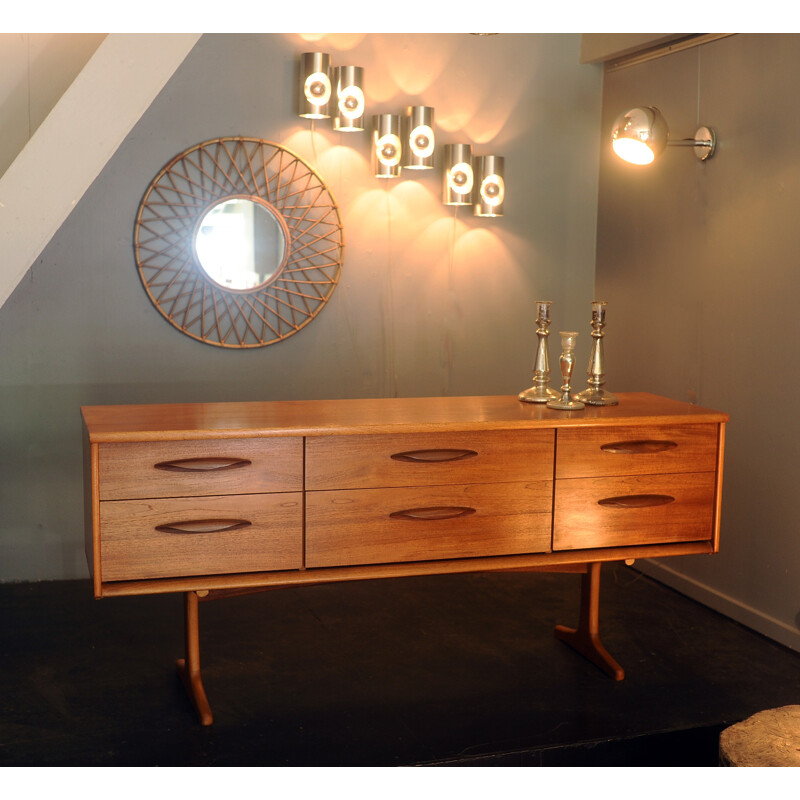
240, 244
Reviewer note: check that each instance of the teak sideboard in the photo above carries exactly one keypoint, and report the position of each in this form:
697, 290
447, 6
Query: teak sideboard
213, 499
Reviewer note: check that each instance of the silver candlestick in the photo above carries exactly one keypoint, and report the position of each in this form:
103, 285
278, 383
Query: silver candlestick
541, 392
566, 402
596, 395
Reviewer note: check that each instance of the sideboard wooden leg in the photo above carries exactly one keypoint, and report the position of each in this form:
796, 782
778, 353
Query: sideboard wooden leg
189, 668
586, 637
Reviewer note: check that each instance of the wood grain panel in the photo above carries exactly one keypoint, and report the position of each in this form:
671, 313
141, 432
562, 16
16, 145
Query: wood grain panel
358, 526
128, 470
649, 449
581, 521
353, 462
179, 421
133, 549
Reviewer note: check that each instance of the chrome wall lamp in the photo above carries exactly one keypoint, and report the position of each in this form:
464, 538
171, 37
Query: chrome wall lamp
387, 147
473, 181
640, 135
406, 142
320, 85
399, 141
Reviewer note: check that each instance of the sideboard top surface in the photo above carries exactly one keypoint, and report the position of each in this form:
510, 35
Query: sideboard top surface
179, 421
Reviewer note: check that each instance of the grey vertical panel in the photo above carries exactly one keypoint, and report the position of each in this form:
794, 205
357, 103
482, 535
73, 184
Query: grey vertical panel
702, 260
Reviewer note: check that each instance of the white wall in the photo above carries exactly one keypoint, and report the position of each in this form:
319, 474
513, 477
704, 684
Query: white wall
35, 70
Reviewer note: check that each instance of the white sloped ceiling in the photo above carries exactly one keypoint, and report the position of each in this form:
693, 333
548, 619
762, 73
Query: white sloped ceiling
75, 141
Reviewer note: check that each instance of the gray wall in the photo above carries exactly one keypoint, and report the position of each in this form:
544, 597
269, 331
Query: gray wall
698, 263
427, 304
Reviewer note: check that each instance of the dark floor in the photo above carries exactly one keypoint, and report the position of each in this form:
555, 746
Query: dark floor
447, 670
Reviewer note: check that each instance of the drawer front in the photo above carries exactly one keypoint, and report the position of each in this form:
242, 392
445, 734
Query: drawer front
636, 450
378, 526
612, 512
356, 462
208, 467
200, 536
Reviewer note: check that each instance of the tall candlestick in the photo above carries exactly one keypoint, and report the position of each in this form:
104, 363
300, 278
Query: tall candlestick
596, 395
541, 392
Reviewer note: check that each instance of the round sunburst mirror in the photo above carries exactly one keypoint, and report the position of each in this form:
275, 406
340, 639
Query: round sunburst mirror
238, 242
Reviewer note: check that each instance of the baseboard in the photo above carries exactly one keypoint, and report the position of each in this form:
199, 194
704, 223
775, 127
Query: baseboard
770, 627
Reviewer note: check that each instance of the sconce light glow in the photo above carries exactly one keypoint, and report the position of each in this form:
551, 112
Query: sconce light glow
315, 85
633, 152
387, 149
420, 138
640, 135
350, 104
491, 187
458, 175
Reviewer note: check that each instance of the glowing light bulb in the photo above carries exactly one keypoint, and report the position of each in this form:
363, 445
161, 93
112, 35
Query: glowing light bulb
318, 88
493, 190
633, 151
351, 102
421, 141
388, 149
460, 178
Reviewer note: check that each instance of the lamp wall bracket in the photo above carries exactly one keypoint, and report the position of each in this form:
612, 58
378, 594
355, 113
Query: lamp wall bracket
704, 143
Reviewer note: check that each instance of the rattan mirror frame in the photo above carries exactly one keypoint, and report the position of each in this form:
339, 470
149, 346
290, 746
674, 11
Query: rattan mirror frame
179, 196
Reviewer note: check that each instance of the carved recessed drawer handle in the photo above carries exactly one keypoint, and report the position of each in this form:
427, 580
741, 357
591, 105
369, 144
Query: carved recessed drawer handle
433, 513
637, 500
204, 464
636, 447
434, 456
204, 526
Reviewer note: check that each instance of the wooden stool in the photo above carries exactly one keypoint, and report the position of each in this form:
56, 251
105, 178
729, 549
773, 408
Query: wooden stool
767, 739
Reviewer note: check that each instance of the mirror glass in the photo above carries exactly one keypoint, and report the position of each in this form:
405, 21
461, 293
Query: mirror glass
240, 244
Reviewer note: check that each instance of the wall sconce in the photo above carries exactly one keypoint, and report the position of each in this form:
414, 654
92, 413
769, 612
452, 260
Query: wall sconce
315, 85
419, 138
490, 185
349, 99
387, 149
641, 134
458, 175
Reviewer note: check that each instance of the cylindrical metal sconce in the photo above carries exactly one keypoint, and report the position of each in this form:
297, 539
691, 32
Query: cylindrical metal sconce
418, 137
490, 187
387, 148
458, 175
315, 85
349, 82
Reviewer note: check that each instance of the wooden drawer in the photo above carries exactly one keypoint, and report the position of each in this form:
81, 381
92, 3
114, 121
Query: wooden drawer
610, 512
636, 450
364, 461
133, 547
376, 526
196, 468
